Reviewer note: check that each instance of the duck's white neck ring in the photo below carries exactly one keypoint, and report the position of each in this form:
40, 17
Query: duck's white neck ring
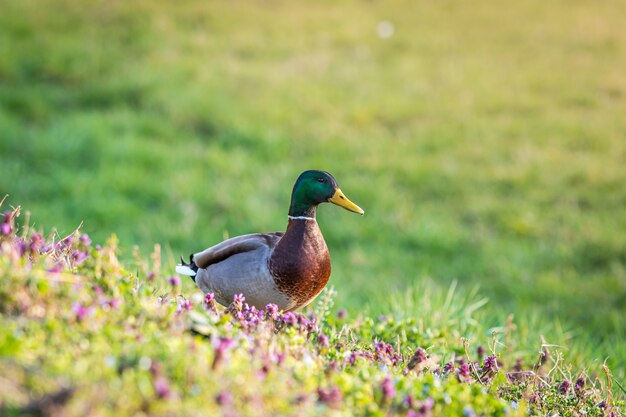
301, 218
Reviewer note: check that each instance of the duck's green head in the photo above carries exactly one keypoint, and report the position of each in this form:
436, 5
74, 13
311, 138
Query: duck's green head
315, 187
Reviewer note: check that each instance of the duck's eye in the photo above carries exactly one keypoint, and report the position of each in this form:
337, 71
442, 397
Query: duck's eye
321, 180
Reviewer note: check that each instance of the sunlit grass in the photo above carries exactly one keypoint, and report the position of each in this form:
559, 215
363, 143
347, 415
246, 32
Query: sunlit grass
83, 335
485, 143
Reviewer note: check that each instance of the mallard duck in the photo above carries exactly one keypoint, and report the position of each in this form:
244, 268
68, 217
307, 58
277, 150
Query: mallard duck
288, 268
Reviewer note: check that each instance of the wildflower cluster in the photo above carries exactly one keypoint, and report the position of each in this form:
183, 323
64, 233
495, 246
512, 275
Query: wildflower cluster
82, 334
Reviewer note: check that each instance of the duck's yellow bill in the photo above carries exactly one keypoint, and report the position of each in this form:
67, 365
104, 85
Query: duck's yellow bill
341, 200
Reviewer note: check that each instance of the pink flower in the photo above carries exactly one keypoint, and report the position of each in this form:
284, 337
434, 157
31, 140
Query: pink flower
84, 238
209, 302
78, 257
418, 357
322, 340
290, 318
161, 387
448, 367
36, 242
81, 312
174, 281
224, 399
183, 305
480, 351
388, 389
58, 267
222, 345
6, 227
330, 396
272, 310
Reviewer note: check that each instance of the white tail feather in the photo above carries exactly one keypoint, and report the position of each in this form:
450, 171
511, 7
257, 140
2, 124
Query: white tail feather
185, 270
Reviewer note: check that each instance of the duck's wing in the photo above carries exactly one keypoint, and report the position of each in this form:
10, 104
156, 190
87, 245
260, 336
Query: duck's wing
233, 246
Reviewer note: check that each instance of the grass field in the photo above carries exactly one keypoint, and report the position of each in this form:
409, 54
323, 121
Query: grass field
485, 142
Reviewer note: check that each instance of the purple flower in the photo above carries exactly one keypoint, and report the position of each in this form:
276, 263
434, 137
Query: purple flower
22, 247
302, 319
174, 281
408, 401
580, 385
183, 305
418, 408
224, 399
322, 340
209, 302
341, 314
384, 352
463, 372
58, 267
448, 367
426, 406
65, 243
480, 351
6, 227
252, 321
237, 304
388, 389
265, 369
114, 302
564, 386
311, 325
279, 358
84, 238
418, 357
330, 396
161, 386
80, 311
301, 399
290, 318
272, 310
491, 362
36, 242
222, 345
78, 257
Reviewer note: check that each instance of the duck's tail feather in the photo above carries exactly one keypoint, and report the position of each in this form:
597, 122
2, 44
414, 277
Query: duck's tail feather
190, 269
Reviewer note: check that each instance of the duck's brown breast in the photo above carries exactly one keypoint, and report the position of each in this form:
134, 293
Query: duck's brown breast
300, 262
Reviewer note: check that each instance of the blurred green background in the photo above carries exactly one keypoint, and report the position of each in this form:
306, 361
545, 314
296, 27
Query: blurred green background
486, 141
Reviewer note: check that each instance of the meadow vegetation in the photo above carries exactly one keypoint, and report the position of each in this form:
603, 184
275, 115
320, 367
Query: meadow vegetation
83, 335
485, 143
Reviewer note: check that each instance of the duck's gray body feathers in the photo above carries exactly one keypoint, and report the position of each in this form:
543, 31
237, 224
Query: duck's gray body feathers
241, 263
